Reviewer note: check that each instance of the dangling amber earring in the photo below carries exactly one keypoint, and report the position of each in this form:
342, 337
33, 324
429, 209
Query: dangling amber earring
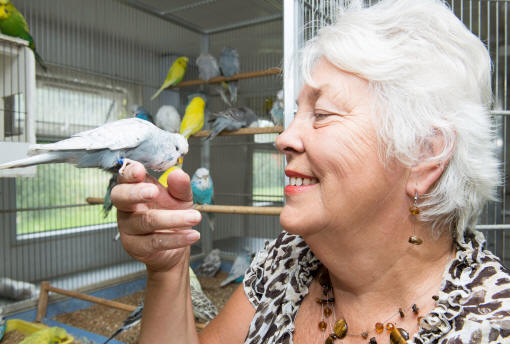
414, 210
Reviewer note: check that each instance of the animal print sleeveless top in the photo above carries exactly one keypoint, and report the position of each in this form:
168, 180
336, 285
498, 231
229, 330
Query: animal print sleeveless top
473, 305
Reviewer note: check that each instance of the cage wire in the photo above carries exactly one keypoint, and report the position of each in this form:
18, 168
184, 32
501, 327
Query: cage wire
103, 57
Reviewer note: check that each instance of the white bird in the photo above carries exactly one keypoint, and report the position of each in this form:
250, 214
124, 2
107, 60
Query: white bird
239, 267
211, 264
167, 118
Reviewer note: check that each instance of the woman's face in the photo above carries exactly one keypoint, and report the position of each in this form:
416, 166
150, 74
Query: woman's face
337, 180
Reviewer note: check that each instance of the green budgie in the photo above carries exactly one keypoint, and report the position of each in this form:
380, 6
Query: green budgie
174, 76
12, 23
47, 336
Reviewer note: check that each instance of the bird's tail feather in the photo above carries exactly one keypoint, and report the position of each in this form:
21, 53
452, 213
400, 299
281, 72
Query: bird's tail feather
115, 334
218, 127
107, 204
31, 161
210, 220
155, 95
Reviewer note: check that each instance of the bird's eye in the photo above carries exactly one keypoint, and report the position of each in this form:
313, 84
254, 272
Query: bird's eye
177, 148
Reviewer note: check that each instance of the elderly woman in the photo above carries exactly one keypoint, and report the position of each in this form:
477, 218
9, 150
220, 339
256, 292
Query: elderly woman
390, 160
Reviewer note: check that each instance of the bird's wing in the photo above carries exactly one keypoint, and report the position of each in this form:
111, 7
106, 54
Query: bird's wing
125, 133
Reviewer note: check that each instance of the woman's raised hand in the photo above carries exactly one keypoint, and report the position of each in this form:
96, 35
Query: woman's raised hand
155, 222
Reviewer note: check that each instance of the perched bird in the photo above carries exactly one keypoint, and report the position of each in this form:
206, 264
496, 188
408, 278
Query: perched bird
12, 23
132, 319
203, 309
232, 119
193, 119
175, 74
277, 109
167, 118
16, 290
142, 113
207, 66
211, 264
229, 66
49, 335
239, 267
111, 147
203, 191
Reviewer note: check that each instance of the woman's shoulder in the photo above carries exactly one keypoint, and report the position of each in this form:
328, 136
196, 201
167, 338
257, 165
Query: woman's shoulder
280, 262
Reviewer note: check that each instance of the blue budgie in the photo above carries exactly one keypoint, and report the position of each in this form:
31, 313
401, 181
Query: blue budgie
142, 113
3, 325
203, 191
229, 66
131, 321
211, 264
277, 109
167, 118
207, 66
111, 147
232, 119
239, 267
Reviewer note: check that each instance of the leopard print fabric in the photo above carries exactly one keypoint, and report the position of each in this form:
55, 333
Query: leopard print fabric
473, 305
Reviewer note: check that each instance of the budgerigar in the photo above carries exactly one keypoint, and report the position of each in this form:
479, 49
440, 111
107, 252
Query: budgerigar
211, 264
142, 113
167, 118
203, 309
174, 76
232, 119
207, 66
277, 109
239, 267
16, 290
229, 66
131, 321
3, 325
49, 335
193, 119
12, 23
110, 147
203, 191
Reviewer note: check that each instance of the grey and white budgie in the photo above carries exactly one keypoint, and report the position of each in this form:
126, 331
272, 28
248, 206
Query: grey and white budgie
239, 267
277, 109
167, 118
232, 119
111, 147
207, 66
211, 264
203, 309
229, 66
133, 319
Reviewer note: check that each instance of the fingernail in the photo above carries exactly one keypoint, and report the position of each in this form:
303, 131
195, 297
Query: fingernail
192, 216
192, 237
147, 193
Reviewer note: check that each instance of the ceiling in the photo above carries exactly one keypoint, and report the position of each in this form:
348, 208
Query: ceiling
212, 16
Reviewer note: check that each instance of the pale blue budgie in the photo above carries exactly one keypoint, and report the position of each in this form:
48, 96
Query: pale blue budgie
3, 325
142, 113
211, 264
277, 109
229, 66
239, 267
167, 118
111, 147
207, 66
203, 191
132, 319
232, 119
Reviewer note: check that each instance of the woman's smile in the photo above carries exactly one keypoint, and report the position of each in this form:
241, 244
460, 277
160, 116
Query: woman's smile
298, 182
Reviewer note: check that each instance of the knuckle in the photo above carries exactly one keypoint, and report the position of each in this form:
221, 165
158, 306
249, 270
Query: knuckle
156, 242
148, 220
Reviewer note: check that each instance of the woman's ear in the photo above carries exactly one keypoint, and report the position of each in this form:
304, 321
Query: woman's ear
425, 173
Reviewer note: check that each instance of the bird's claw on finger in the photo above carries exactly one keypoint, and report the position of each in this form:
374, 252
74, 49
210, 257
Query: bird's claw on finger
124, 163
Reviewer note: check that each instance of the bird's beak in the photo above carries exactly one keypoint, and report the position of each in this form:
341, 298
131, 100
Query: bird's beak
180, 160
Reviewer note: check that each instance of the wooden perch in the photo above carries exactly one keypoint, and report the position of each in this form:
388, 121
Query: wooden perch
242, 131
46, 287
219, 79
225, 209
236, 209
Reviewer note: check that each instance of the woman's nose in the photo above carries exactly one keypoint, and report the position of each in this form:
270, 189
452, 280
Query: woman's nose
289, 141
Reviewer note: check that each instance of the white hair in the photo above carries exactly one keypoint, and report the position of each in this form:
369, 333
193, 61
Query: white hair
430, 78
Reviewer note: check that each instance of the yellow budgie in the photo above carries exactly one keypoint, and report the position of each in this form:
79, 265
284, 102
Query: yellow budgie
47, 336
193, 119
192, 122
174, 76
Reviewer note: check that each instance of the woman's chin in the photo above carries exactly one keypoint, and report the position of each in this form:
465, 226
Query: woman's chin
294, 221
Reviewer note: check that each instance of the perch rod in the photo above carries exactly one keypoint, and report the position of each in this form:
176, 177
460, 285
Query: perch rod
219, 79
225, 209
243, 131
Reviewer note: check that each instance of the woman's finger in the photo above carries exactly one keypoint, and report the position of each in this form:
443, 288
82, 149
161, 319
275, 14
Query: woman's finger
126, 196
151, 220
145, 245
